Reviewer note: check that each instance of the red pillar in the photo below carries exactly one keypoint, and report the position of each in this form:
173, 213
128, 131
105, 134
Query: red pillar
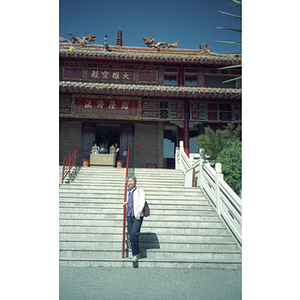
180, 135
186, 133
181, 76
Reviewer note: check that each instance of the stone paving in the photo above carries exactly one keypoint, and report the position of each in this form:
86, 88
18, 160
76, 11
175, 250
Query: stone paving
79, 283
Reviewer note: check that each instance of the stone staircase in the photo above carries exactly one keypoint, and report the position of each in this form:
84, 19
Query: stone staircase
183, 230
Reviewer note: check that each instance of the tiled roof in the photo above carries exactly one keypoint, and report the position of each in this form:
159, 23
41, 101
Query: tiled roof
181, 56
149, 90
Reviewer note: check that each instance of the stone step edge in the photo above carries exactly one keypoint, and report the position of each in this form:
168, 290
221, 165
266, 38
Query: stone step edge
153, 250
88, 199
109, 207
165, 221
156, 217
146, 259
216, 235
206, 243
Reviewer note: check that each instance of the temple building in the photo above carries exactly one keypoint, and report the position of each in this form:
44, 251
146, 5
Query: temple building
146, 98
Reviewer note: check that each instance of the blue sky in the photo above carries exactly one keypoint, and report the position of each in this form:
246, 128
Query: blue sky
188, 21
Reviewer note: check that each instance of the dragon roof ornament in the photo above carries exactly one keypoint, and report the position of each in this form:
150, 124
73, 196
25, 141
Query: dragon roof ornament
151, 43
87, 38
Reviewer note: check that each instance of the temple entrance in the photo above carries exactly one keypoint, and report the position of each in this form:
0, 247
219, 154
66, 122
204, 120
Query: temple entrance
107, 135
170, 143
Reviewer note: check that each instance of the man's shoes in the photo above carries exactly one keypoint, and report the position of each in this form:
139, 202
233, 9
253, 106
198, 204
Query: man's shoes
136, 257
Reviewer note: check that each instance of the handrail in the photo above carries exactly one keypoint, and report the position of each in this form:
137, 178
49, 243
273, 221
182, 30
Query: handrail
68, 163
227, 203
124, 208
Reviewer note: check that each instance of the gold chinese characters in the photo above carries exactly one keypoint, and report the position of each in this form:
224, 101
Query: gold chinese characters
108, 104
109, 75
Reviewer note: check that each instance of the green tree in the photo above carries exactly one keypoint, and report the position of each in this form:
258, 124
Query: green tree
231, 160
213, 142
225, 147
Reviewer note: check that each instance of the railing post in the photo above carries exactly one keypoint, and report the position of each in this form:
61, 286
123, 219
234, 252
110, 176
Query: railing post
200, 174
219, 175
181, 149
176, 158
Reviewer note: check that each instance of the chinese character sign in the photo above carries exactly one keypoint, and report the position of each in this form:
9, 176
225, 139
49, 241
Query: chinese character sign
94, 107
110, 75
116, 75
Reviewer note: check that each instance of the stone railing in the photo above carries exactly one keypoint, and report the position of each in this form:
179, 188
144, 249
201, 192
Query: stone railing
199, 173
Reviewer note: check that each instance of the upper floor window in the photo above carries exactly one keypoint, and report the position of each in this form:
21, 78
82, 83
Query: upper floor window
191, 80
214, 77
191, 76
170, 76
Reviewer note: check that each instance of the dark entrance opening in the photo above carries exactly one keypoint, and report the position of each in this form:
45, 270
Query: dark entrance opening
107, 135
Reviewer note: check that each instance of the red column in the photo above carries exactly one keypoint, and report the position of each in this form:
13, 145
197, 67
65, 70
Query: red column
181, 76
180, 135
186, 134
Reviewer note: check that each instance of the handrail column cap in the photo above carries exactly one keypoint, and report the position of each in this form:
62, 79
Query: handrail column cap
218, 168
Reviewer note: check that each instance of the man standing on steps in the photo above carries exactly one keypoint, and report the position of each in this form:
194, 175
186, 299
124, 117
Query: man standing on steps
135, 204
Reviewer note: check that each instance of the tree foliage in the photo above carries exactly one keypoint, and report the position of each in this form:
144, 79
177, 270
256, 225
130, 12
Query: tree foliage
213, 142
225, 147
231, 160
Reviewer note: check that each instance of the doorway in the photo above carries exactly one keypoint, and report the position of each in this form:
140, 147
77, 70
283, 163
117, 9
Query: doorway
170, 143
107, 135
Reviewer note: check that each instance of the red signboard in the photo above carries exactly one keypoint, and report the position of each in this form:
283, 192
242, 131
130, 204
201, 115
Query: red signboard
116, 75
109, 75
73, 73
102, 107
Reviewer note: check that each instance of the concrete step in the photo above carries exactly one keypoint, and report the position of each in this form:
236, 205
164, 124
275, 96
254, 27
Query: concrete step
68, 233
143, 183
155, 205
210, 256
159, 213
167, 246
151, 198
109, 227
100, 189
149, 238
149, 263
154, 218
183, 229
